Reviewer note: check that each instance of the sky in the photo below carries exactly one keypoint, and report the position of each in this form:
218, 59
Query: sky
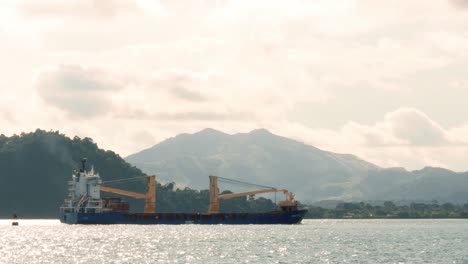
384, 80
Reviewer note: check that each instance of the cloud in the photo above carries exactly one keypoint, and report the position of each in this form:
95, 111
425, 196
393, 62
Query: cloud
405, 126
182, 85
183, 115
287, 65
186, 94
170, 96
460, 3
408, 127
78, 91
202, 116
76, 8
459, 135
7, 122
415, 128
7, 116
405, 137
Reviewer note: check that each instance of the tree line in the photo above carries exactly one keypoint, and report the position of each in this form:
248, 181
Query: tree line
389, 210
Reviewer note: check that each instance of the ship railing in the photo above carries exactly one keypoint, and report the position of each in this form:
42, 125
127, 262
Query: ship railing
94, 203
93, 206
67, 203
66, 209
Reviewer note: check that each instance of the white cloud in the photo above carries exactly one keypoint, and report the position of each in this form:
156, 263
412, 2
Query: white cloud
405, 137
406, 127
154, 69
415, 128
77, 91
76, 8
463, 4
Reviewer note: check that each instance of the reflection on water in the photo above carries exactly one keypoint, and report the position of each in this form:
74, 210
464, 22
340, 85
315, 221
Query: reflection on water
314, 241
30, 222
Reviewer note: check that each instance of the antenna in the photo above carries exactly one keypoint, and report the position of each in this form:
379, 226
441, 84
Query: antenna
83, 165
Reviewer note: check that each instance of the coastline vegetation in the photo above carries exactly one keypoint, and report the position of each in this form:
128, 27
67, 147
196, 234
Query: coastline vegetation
388, 210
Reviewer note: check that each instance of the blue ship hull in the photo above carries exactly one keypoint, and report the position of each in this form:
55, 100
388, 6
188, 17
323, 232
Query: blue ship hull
275, 217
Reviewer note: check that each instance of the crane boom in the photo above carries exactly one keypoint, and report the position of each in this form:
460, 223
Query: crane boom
215, 196
123, 192
233, 195
150, 196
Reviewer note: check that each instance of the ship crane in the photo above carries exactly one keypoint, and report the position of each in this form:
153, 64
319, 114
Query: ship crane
288, 204
150, 196
84, 204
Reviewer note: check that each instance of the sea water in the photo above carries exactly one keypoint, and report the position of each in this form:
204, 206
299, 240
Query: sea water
313, 241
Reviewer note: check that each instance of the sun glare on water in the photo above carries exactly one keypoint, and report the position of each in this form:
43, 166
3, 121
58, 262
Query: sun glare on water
31, 222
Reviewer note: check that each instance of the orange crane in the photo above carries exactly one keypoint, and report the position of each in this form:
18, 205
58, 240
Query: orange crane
289, 202
150, 196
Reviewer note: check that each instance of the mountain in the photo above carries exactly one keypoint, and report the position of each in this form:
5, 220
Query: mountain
313, 174
259, 157
420, 185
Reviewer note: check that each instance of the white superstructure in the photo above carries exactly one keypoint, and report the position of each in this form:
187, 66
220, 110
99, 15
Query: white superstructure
84, 192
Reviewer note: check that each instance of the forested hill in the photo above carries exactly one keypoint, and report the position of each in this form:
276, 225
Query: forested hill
35, 168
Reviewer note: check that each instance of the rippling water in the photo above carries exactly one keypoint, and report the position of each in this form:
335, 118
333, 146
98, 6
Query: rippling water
314, 241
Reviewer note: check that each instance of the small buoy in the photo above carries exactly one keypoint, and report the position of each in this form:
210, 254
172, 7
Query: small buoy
15, 223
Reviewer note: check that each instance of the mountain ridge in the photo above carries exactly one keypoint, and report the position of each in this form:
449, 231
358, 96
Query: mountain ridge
314, 174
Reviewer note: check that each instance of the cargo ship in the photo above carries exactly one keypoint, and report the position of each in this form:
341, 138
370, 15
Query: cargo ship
84, 205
